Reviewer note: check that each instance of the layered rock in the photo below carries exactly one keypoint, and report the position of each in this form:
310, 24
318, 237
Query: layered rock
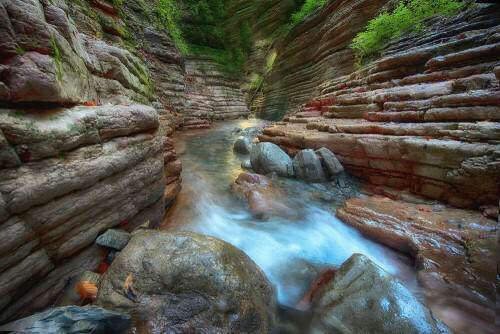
455, 253
81, 148
185, 281
211, 95
423, 118
313, 52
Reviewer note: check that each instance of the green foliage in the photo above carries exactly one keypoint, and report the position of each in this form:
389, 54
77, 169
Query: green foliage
166, 14
307, 8
20, 50
409, 16
203, 26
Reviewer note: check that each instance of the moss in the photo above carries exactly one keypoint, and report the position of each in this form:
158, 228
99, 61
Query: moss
20, 50
56, 55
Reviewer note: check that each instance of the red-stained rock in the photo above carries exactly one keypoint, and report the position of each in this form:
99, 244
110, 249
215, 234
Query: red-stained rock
455, 250
316, 287
262, 196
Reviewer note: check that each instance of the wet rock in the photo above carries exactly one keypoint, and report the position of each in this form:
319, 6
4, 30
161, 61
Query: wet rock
454, 250
268, 157
236, 130
246, 164
185, 282
242, 146
307, 167
71, 296
364, 298
263, 197
71, 319
330, 161
113, 238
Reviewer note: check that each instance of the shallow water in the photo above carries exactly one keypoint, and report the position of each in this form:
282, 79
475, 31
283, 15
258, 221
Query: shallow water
291, 251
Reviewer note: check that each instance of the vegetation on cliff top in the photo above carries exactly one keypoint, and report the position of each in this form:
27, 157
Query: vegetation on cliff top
307, 8
409, 16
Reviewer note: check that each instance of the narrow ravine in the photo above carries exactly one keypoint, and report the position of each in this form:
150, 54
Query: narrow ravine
291, 250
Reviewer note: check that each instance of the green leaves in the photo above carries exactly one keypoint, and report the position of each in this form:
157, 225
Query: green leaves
409, 17
307, 8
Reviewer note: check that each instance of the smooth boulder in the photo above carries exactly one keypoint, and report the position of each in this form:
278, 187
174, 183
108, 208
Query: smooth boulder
246, 164
268, 157
188, 282
307, 167
71, 319
330, 161
242, 146
364, 298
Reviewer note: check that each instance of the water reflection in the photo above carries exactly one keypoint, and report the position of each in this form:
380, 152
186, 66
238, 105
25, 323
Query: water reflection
290, 251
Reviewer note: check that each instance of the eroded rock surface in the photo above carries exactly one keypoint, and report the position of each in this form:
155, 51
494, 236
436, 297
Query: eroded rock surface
71, 319
82, 146
185, 282
455, 250
422, 118
263, 197
364, 298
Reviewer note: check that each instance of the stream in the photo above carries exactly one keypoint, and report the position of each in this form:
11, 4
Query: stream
291, 251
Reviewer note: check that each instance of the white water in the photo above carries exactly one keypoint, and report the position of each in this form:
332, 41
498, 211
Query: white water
289, 251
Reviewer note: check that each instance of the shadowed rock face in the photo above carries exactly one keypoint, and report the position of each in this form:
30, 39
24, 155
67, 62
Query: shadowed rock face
186, 280
364, 298
455, 252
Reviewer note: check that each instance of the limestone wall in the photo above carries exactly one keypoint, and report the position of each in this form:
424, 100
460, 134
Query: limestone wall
425, 117
82, 149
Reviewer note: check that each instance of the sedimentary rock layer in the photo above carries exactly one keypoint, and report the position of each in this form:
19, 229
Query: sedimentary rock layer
210, 95
81, 147
423, 118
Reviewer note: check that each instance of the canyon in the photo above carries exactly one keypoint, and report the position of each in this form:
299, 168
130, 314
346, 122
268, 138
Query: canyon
98, 106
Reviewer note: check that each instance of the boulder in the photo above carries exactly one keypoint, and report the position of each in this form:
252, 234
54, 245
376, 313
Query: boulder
188, 282
307, 167
242, 146
268, 157
71, 296
246, 164
71, 319
330, 161
364, 298
455, 251
263, 197
113, 238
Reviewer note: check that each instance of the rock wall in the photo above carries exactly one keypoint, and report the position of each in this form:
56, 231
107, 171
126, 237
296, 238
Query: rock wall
210, 95
424, 117
81, 147
313, 52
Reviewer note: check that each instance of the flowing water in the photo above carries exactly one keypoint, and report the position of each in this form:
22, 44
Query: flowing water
291, 251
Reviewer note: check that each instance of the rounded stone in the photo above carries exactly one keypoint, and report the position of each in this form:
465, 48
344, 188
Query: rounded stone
188, 282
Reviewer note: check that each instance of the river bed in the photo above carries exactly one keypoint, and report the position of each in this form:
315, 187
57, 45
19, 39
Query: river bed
292, 250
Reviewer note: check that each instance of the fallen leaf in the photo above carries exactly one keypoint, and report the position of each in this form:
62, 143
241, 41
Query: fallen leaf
87, 290
128, 287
